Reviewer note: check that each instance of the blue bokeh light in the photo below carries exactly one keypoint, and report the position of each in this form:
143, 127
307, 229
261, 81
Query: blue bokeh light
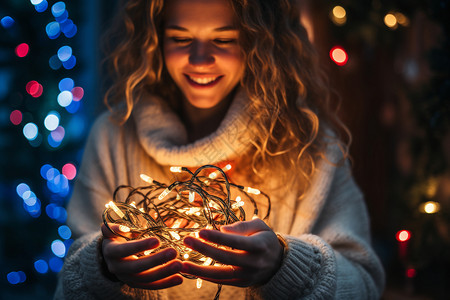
55, 264
33, 210
22, 188
58, 248
29, 198
53, 30
52, 142
66, 84
70, 63
64, 16
41, 7
54, 62
64, 232
41, 266
58, 9
64, 53
73, 107
56, 212
58, 134
52, 173
13, 277
44, 169
7, 22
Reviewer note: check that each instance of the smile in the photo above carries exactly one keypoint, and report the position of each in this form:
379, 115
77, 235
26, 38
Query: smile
204, 81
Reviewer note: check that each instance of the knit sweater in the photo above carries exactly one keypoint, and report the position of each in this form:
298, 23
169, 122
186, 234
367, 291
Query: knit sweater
329, 255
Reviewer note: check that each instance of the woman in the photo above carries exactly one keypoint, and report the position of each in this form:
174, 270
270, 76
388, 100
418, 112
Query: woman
203, 82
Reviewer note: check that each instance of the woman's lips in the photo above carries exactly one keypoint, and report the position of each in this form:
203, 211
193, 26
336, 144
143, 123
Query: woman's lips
203, 81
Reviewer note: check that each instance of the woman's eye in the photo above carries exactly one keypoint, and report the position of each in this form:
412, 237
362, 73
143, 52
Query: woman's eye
224, 41
181, 40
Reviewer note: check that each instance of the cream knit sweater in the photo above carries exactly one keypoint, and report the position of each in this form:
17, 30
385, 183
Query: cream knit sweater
329, 254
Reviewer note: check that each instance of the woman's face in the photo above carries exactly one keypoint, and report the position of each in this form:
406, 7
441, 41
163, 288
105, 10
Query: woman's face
201, 50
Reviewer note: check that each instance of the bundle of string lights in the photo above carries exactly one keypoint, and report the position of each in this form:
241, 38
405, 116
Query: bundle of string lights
183, 208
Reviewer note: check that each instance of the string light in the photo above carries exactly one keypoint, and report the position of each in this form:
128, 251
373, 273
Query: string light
338, 15
430, 207
390, 20
403, 235
173, 214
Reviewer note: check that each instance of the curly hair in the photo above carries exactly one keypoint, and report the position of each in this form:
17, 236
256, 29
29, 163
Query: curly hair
288, 91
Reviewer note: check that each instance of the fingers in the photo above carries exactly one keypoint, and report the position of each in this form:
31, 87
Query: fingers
141, 264
210, 272
160, 284
115, 249
157, 273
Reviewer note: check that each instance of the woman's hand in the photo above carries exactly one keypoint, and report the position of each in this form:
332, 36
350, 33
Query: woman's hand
255, 258
152, 272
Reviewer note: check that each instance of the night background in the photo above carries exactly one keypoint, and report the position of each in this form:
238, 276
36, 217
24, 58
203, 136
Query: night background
388, 60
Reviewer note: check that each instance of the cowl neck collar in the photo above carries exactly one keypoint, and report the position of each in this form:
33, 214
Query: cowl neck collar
164, 137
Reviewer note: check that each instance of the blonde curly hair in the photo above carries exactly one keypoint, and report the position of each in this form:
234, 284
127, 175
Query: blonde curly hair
288, 91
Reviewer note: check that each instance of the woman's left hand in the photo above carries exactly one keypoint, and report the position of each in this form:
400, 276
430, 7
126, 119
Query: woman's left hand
255, 256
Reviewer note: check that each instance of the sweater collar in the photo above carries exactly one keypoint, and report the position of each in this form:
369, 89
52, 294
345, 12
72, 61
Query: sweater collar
164, 137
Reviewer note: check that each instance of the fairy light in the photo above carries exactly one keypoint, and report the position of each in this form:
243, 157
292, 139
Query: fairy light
199, 283
171, 217
338, 55
338, 15
403, 235
175, 169
146, 178
430, 207
390, 21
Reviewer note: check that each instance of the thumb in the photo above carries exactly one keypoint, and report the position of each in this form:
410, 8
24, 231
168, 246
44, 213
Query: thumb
246, 227
109, 231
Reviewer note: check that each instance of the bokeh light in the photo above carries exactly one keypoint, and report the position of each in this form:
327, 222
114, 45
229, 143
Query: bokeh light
21, 189
390, 20
53, 30
54, 62
58, 134
16, 277
7, 22
22, 50
30, 131
34, 88
64, 232
41, 266
70, 63
403, 235
65, 98
69, 170
58, 248
51, 121
411, 273
338, 15
58, 9
77, 93
66, 84
338, 55
41, 7
73, 107
16, 117
64, 53
44, 169
55, 264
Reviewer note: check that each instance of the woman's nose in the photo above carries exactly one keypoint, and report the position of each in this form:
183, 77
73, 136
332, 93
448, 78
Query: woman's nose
201, 54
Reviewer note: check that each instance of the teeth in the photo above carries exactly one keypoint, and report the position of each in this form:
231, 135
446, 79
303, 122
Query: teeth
202, 80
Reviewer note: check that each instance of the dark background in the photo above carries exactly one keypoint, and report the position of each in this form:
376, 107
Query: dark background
394, 93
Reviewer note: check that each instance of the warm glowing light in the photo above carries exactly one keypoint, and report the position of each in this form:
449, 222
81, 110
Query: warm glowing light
146, 178
252, 191
390, 20
199, 283
124, 228
186, 256
175, 169
403, 235
227, 167
430, 207
402, 19
213, 175
164, 194
114, 207
339, 12
339, 56
191, 196
22, 50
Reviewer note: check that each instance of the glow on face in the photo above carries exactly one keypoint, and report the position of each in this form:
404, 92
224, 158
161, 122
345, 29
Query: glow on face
201, 50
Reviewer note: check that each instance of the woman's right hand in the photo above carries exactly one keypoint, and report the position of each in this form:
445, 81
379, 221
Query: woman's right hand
154, 271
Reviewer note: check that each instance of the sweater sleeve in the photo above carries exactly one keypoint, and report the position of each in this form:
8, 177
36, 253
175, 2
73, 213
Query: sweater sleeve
335, 259
81, 276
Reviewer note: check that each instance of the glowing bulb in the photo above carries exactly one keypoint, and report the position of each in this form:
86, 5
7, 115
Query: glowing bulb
213, 175
115, 209
148, 252
208, 261
146, 178
252, 191
199, 283
430, 207
175, 235
402, 19
133, 204
339, 12
390, 20
124, 228
227, 167
164, 194
175, 169
186, 256
191, 196
403, 235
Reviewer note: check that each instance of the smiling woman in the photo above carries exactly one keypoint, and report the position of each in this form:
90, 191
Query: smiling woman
221, 82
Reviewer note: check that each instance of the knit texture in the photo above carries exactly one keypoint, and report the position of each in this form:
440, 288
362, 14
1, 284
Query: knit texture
329, 254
